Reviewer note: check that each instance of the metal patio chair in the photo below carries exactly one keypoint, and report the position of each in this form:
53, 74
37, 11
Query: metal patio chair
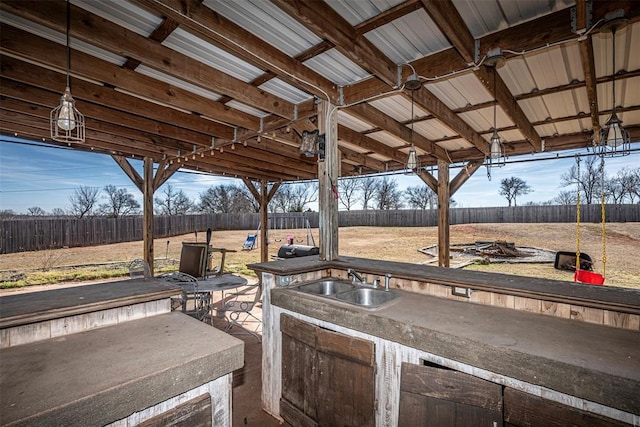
238, 310
192, 301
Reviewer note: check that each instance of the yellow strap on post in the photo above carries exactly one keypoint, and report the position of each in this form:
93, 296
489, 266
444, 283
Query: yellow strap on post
578, 217
604, 239
602, 214
578, 232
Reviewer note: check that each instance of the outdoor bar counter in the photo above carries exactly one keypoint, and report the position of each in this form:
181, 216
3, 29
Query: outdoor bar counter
112, 353
575, 346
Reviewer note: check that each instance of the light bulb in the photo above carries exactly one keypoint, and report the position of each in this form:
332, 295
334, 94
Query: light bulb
412, 162
496, 150
614, 136
66, 117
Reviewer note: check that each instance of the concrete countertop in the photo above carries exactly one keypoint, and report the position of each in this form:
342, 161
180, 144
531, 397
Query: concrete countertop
593, 362
20, 309
604, 297
103, 375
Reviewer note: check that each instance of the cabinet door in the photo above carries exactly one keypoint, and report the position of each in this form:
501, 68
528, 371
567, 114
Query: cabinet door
441, 397
298, 400
327, 377
345, 380
526, 410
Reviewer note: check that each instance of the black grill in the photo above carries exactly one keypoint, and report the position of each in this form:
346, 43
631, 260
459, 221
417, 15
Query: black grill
295, 251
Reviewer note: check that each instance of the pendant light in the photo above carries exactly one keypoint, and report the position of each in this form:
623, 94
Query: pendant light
413, 162
65, 121
614, 139
496, 154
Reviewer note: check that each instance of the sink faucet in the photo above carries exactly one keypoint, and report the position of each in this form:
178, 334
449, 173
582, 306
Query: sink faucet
386, 281
354, 275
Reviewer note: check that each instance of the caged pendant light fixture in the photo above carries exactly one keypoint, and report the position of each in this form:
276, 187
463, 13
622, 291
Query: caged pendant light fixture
413, 162
496, 156
614, 139
65, 121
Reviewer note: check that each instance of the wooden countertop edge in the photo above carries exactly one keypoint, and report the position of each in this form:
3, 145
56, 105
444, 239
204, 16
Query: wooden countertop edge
28, 318
601, 297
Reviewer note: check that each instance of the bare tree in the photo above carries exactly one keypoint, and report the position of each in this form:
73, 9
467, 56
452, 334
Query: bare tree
226, 198
36, 211
421, 197
513, 187
83, 200
119, 202
625, 185
349, 189
174, 203
565, 198
387, 195
368, 188
294, 197
590, 179
7, 213
58, 212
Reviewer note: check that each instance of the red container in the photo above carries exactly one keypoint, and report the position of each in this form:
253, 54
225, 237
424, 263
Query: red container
588, 277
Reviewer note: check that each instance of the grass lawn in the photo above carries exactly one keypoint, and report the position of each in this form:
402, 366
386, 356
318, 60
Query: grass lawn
388, 243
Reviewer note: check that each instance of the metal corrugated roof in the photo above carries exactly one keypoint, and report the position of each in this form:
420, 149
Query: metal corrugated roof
246, 108
352, 122
196, 48
433, 129
336, 67
285, 91
267, 21
356, 12
122, 13
158, 75
460, 91
486, 16
408, 38
398, 107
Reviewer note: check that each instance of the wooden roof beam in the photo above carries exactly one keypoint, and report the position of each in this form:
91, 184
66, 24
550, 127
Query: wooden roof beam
100, 32
82, 90
363, 141
448, 19
428, 101
445, 15
378, 118
222, 32
585, 45
328, 24
489, 76
39, 50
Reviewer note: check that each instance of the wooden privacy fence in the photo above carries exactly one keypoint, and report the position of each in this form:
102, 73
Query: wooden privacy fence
30, 234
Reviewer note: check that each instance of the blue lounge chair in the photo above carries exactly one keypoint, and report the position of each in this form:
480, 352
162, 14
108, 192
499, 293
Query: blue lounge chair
250, 243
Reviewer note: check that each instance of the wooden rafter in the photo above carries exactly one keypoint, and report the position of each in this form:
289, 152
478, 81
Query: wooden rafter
378, 118
585, 44
448, 19
427, 100
216, 29
323, 20
109, 36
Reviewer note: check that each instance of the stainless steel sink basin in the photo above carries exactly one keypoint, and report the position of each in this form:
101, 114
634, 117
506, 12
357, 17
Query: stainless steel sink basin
326, 287
366, 297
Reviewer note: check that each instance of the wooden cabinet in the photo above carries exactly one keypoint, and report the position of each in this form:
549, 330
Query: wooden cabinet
432, 396
441, 397
526, 410
327, 377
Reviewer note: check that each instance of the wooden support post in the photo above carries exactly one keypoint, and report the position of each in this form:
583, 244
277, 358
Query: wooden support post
443, 213
147, 207
264, 222
328, 173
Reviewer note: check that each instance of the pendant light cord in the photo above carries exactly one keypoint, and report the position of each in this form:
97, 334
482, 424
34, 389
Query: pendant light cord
495, 101
68, 47
613, 77
412, 118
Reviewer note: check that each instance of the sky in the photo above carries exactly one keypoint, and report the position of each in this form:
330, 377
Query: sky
33, 174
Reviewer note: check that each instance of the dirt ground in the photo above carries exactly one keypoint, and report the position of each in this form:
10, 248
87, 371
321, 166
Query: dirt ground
387, 243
